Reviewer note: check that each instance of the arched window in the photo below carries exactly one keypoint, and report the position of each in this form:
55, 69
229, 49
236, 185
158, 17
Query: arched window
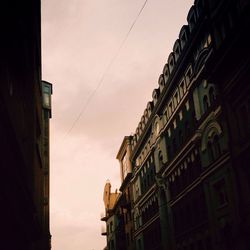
191, 18
161, 82
212, 96
205, 103
213, 147
171, 62
183, 35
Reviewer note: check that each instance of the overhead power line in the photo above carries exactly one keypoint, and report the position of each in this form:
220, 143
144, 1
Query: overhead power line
90, 97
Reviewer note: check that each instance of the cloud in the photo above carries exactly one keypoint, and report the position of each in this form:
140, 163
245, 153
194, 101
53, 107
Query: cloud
74, 232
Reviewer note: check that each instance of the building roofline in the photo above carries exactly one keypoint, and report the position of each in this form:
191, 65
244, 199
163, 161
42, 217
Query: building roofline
126, 141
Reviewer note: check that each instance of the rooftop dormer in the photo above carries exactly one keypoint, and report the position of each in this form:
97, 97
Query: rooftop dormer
171, 62
166, 72
161, 82
183, 35
145, 114
191, 18
155, 95
177, 49
150, 107
199, 7
143, 122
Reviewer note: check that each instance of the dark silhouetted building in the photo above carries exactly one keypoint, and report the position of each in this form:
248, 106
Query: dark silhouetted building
25, 110
190, 152
114, 229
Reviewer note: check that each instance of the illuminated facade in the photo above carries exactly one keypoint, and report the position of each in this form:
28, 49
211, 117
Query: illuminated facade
189, 176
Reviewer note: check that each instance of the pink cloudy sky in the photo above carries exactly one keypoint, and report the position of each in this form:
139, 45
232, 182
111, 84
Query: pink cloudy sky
79, 40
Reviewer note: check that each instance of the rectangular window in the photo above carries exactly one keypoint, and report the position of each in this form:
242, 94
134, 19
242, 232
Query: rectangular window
188, 75
170, 108
47, 91
166, 114
182, 89
176, 99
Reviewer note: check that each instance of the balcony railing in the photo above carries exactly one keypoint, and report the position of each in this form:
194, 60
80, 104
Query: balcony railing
103, 216
103, 231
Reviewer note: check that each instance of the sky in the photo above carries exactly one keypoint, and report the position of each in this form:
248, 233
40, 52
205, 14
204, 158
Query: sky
102, 80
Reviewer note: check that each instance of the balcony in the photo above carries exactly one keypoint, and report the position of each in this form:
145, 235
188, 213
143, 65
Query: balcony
103, 231
103, 217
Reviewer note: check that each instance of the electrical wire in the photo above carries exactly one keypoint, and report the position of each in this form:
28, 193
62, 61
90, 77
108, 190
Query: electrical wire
91, 96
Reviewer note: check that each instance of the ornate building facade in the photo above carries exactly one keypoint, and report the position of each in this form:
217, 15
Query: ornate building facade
189, 157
